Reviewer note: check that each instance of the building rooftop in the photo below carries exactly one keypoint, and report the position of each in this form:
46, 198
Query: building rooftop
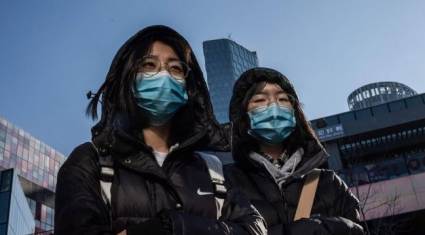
378, 93
376, 117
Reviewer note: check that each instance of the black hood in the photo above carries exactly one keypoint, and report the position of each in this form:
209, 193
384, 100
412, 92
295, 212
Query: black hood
242, 143
194, 120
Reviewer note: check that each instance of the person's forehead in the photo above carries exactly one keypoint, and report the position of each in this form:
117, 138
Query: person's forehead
162, 51
271, 88
161, 57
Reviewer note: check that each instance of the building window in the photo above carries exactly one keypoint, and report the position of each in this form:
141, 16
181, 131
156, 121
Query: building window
4, 206
5, 181
38, 211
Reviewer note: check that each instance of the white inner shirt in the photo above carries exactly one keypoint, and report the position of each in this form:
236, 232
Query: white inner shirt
160, 157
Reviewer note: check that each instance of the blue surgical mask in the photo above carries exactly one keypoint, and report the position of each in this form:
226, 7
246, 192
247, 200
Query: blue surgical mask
272, 124
160, 96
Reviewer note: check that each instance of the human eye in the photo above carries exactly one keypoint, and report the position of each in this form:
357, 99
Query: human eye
258, 100
148, 65
283, 99
176, 69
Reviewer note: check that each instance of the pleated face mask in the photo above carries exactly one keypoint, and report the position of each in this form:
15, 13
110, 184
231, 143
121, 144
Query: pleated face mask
272, 124
160, 96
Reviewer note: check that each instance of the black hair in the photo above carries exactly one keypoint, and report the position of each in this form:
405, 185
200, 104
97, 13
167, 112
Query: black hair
119, 106
116, 93
249, 83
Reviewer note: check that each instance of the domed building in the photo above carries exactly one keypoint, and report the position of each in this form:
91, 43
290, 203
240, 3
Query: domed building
378, 148
378, 93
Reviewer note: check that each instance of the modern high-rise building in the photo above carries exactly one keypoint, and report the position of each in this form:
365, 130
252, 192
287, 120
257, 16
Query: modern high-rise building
36, 165
378, 148
225, 61
15, 214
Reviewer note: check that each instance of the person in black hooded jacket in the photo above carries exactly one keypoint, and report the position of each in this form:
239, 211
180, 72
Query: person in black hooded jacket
274, 149
141, 174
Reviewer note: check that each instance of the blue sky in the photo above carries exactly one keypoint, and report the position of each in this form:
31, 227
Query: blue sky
53, 51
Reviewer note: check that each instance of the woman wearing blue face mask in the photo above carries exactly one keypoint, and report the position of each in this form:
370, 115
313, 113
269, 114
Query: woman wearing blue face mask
277, 156
141, 173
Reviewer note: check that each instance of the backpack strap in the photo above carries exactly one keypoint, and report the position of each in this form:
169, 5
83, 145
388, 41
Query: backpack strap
106, 175
215, 170
308, 192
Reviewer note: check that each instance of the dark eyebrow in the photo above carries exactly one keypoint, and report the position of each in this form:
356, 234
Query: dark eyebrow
264, 93
283, 92
173, 59
260, 93
150, 56
156, 57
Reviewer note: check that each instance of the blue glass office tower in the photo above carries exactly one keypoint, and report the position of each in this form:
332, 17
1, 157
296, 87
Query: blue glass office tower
15, 214
225, 61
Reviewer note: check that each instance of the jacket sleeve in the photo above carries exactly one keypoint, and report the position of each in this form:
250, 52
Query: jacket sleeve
79, 207
238, 217
346, 216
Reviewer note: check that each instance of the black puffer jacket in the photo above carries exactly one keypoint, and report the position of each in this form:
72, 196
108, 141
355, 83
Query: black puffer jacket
141, 189
336, 210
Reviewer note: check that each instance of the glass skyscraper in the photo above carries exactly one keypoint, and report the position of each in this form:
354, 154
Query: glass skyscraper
225, 61
37, 165
15, 214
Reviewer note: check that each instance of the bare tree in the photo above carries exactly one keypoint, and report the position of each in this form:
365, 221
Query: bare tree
382, 206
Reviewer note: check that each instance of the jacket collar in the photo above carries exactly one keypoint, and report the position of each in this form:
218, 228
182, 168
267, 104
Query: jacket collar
143, 161
310, 161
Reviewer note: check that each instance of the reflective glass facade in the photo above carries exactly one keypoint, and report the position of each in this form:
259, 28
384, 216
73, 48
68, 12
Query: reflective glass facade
15, 214
37, 165
225, 61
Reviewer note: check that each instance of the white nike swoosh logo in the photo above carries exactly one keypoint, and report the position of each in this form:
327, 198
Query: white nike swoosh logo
199, 192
